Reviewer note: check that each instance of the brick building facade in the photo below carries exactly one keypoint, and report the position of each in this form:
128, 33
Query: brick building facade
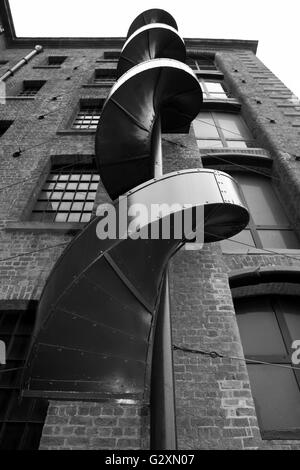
250, 127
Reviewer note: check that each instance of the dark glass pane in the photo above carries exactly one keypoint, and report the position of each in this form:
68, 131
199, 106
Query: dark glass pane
290, 306
4, 402
19, 347
279, 239
263, 203
12, 436
277, 397
26, 323
20, 409
32, 436
258, 327
243, 241
8, 322
233, 126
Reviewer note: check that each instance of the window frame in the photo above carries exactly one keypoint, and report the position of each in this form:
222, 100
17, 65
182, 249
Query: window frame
13, 389
85, 108
104, 76
193, 63
64, 190
277, 309
220, 131
254, 228
33, 86
207, 94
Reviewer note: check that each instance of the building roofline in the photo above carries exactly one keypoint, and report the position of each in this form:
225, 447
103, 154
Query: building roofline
106, 42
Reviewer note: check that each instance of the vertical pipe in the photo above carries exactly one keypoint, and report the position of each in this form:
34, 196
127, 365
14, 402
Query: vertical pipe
162, 400
157, 148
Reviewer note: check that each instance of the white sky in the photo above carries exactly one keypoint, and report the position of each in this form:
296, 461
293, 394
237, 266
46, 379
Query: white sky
275, 24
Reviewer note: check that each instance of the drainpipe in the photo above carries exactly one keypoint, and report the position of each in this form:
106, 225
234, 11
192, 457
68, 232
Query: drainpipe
163, 417
21, 62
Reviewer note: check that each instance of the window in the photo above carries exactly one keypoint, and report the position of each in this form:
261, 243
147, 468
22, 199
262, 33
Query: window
221, 130
88, 116
201, 63
4, 126
212, 89
56, 60
269, 226
268, 325
21, 422
104, 75
67, 196
30, 88
111, 55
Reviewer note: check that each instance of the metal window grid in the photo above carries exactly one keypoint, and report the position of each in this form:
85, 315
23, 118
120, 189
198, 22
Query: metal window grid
67, 196
276, 307
21, 422
30, 91
87, 118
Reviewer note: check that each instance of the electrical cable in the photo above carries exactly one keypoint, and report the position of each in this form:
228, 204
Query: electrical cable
215, 355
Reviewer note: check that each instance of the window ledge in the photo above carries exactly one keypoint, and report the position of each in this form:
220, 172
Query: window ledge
209, 74
249, 157
46, 67
261, 251
75, 132
42, 227
274, 435
21, 98
98, 85
226, 104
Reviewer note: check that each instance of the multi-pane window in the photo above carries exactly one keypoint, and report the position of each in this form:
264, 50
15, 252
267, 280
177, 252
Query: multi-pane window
213, 89
87, 117
4, 126
21, 421
30, 88
201, 63
56, 60
221, 130
269, 226
103, 76
68, 195
268, 326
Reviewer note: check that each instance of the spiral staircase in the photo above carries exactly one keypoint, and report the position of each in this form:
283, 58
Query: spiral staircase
103, 328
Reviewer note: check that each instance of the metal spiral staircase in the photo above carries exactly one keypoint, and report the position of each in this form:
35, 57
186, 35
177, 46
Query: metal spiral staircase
103, 318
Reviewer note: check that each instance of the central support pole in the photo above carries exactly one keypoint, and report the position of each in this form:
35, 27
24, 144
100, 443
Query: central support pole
157, 148
162, 400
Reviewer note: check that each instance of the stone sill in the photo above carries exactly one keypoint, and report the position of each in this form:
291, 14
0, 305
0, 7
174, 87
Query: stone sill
21, 98
46, 67
98, 85
259, 251
45, 227
75, 132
